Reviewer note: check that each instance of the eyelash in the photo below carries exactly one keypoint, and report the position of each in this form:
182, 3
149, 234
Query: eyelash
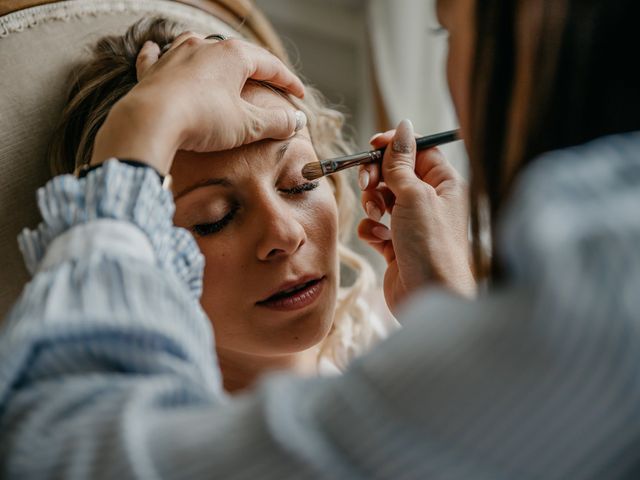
302, 188
205, 229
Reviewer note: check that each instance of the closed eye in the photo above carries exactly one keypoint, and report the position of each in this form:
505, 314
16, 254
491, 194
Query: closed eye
204, 229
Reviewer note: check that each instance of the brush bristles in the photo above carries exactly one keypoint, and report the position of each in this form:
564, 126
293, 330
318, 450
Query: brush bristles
312, 171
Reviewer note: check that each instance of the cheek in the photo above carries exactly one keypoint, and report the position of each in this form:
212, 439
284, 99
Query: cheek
222, 258
223, 286
321, 223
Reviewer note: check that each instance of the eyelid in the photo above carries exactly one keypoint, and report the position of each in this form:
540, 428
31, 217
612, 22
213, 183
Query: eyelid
195, 209
209, 228
217, 225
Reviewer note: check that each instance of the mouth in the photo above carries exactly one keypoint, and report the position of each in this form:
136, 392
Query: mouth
295, 297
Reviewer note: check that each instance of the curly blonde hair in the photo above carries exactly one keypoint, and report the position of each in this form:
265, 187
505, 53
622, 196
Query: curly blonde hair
110, 73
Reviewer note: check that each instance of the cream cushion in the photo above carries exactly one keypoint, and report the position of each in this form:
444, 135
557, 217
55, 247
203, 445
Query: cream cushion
38, 47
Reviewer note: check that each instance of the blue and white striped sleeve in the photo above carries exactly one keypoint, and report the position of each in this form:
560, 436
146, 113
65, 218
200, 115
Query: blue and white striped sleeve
108, 330
107, 366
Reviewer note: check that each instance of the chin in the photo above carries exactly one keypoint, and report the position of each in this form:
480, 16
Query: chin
304, 332
278, 334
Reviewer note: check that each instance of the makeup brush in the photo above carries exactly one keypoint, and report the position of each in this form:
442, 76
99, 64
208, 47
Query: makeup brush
314, 170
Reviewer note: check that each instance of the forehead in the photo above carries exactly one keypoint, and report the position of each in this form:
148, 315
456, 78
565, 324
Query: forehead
250, 159
255, 156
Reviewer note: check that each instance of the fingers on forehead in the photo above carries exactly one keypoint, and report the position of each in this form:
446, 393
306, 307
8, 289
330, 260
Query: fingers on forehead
148, 55
148, 50
265, 66
269, 68
261, 64
186, 35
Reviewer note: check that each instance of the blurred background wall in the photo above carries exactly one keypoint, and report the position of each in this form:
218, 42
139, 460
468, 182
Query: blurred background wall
379, 60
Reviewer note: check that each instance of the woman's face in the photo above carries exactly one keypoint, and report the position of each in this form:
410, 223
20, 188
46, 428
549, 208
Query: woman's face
456, 16
269, 238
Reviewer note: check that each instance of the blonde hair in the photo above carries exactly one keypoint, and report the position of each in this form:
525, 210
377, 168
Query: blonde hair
109, 75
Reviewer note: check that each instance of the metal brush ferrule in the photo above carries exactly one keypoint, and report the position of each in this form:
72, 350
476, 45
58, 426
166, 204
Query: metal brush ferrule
332, 166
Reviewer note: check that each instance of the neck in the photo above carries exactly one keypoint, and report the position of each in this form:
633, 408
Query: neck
241, 370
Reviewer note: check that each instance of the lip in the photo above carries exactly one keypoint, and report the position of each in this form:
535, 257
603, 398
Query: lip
295, 300
290, 284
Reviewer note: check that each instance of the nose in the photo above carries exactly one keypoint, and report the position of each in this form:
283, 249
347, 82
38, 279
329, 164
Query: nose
282, 234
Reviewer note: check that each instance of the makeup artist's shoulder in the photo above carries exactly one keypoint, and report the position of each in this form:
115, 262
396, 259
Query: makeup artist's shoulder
581, 170
558, 199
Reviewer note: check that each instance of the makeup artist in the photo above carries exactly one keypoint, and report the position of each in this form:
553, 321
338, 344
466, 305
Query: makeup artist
535, 378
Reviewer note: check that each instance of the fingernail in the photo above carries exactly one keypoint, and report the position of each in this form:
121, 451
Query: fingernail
373, 212
382, 232
363, 179
301, 120
373, 138
404, 141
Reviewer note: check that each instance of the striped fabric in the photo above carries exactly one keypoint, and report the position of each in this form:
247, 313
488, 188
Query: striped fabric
107, 368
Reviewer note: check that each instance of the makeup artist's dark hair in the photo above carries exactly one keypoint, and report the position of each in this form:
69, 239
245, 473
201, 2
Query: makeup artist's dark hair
548, 74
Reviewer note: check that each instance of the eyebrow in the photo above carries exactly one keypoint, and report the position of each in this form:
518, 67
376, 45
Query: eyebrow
225, 182
283, 148
281, 151
203, 183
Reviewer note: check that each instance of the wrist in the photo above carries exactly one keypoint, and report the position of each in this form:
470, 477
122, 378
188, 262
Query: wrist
138, 129
464, 283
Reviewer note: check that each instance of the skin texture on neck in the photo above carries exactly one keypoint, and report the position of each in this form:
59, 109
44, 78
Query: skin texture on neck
241, 371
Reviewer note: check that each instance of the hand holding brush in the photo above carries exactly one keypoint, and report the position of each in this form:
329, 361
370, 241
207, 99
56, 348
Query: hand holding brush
315, 170
426, 238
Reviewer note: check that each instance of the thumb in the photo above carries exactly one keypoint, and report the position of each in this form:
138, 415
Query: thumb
147, 56
276, 123
399, 162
